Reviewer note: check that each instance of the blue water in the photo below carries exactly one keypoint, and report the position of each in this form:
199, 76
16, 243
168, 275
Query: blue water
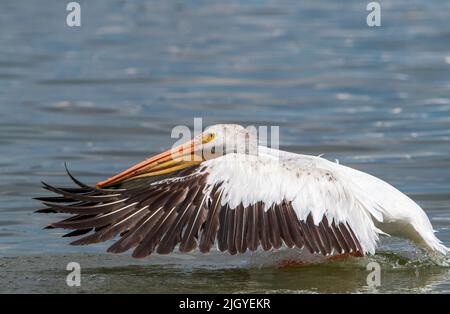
106, 95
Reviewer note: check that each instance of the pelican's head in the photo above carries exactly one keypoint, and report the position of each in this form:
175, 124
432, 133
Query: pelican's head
217, 140
222, 139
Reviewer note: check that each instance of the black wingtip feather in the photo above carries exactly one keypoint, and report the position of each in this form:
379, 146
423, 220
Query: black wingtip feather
46, 211
76, 181
76, 233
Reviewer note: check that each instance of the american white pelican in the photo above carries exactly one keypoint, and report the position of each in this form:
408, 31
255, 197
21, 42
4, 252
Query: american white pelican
241, 200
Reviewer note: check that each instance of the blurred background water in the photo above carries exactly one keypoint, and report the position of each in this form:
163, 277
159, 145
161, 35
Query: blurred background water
107, 94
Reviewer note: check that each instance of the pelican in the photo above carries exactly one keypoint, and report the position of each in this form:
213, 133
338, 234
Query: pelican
209, 193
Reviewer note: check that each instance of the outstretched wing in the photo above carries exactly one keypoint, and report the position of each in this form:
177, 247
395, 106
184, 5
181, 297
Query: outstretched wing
240, 202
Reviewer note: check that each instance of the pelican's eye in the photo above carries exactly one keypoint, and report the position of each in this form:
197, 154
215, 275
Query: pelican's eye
208, 137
